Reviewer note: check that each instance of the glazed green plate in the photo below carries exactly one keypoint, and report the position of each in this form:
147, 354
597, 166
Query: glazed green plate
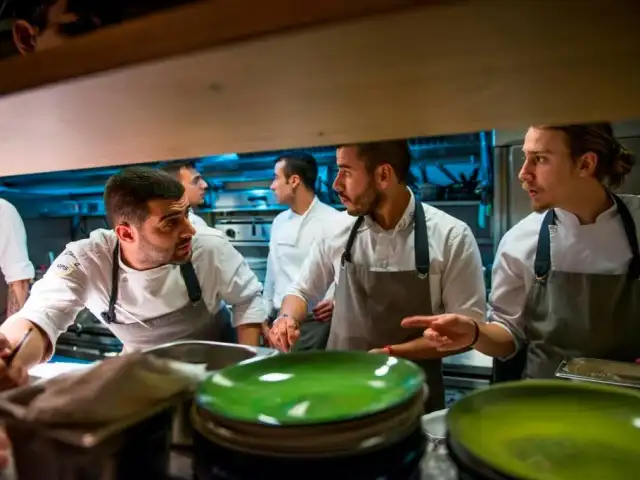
309, 387
550, 429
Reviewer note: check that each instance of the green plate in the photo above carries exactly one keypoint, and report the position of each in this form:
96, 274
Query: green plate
550, 429
309, 387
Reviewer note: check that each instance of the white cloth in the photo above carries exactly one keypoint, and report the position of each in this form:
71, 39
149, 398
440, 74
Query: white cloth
81, 277
197, 221
600, 248
292, 237
456, 280
14, 256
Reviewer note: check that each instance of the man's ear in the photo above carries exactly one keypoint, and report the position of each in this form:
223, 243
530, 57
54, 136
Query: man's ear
25, 36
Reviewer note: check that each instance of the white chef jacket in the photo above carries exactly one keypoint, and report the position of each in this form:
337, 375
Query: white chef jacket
196, 220
598, 248
14, 257
292, 236
81, 277
456, 279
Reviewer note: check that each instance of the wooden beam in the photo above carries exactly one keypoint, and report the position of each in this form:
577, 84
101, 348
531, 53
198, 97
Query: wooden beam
453, 67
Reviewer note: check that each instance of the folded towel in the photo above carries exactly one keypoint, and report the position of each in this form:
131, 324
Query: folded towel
112, 390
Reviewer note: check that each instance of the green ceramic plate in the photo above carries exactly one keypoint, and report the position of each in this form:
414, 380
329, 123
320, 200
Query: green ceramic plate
552, 430
310, 387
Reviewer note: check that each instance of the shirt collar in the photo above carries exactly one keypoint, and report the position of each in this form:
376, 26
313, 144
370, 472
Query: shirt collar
405, 221
570, 220
304, 215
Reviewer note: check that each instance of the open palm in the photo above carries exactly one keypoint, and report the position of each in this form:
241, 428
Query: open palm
447, 332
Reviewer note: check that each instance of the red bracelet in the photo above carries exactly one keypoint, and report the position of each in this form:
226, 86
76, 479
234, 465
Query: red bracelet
388, 349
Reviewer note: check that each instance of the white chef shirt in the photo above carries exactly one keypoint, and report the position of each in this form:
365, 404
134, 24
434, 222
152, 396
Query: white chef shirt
292, 236
14, 257
81, 277
456, 280
600, 248
196, 220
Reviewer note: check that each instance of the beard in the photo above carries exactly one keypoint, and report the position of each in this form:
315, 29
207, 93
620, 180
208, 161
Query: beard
365, 203
156, 256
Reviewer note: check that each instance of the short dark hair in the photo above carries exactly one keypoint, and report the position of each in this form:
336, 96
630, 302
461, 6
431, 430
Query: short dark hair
128, 193
304, 165
394, 152
173, 168
614, 161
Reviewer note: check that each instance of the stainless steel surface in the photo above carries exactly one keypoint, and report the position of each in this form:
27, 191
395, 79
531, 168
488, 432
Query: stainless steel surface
434, 426
246, 229
600, 371
215, 355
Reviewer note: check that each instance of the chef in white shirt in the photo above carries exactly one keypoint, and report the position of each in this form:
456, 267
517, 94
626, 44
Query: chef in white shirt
293, 233
194, 184
16, 268
566, 279
390, 257
150, 279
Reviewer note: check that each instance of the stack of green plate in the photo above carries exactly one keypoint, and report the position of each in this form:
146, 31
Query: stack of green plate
312, 404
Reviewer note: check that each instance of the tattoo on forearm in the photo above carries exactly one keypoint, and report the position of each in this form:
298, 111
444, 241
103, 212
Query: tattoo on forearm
16, 296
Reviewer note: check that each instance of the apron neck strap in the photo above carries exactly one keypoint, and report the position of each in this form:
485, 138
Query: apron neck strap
542, 265
420, 239
187, 272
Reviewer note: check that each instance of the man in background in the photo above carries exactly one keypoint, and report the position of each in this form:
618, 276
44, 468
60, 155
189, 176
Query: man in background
293, 232
194, 185
16, 268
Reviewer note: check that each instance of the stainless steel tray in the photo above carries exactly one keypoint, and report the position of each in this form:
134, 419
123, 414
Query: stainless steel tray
606, 372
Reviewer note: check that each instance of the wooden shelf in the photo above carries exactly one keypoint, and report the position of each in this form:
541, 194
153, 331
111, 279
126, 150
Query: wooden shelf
211, 78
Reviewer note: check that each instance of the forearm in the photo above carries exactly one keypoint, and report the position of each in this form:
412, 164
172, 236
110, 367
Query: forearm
249, 334
36, 349
495, 340
17, 296
294, 307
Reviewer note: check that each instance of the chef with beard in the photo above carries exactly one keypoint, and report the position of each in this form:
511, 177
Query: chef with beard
566, 279
390, 257
150, 279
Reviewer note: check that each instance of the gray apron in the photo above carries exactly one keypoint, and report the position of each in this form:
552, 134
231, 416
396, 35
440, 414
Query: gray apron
581, 315
313, 333
191, 322
369, 306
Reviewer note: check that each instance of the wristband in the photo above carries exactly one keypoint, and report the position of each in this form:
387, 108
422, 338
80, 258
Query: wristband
476, 334
388, 349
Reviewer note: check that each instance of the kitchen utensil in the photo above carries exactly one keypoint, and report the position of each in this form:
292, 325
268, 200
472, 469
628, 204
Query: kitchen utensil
434, 426
9, 360
600, 371
546, 429
310, 387
215, 356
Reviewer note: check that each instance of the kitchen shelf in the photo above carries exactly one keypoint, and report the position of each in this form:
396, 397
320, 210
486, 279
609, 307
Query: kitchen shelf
208, 79
248, 244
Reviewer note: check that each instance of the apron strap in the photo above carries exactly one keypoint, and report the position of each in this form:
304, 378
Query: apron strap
187, 272
191, 281
542, 264
421, 240
109, 316
346, 255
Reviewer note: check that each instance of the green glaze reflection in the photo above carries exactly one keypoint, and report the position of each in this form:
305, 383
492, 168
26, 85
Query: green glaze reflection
309, 387
552, 430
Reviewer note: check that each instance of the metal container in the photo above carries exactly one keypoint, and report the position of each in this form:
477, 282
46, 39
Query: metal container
137, 446
606, 372
215, 355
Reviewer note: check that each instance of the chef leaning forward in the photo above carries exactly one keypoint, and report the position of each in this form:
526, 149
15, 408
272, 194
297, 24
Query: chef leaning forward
396, 258
149, 279
566, 278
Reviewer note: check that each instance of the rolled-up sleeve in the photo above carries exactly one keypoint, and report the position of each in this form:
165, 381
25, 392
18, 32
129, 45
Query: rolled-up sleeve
463, 287
14, 256
508, 294
57, 297
316, 275
239, 286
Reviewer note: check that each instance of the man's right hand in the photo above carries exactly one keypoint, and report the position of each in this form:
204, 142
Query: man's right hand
12, 376
448, 332
284, 333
